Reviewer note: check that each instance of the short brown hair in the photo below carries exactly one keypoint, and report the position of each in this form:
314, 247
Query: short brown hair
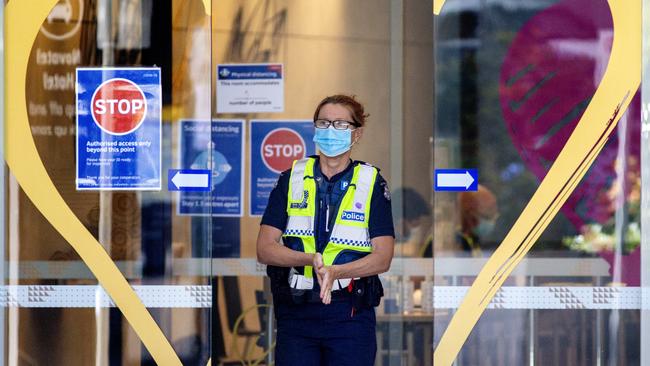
350, 102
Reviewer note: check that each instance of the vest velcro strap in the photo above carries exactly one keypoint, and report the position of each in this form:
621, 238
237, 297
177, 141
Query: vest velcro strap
297, 180
341, 284
300, 282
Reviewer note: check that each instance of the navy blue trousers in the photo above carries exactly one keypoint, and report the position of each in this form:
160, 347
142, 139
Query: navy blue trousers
321, 335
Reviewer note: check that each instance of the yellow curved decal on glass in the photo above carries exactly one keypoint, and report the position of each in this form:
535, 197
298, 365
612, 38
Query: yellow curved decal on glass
207, 7
620, 82
23, 20
437, 6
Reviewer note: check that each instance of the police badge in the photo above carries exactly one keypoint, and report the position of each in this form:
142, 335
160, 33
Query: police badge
386, 191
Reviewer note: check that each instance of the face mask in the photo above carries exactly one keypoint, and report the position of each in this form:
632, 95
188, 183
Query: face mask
483, 228
332, 142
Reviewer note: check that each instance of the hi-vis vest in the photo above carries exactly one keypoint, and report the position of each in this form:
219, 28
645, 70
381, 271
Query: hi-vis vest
350, 231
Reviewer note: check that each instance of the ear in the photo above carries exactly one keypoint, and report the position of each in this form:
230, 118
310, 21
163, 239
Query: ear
356, 135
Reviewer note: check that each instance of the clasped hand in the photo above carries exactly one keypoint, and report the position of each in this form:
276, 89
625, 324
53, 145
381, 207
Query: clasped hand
326, 276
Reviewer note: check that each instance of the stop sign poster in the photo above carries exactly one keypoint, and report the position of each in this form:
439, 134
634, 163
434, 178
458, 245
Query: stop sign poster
275, 144
218, 147
118, 128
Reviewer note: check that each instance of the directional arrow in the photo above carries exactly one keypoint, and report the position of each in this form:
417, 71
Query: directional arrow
456, 180
189, 180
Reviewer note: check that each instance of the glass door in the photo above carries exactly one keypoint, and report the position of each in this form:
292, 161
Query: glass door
544, 249
139, 164
380, 51
102, 266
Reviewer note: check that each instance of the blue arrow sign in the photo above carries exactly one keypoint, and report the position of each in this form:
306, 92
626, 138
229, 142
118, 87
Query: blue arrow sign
458, 180
189, 180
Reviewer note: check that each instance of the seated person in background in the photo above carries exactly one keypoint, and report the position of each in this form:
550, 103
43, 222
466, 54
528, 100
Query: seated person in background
414, 227
478, 215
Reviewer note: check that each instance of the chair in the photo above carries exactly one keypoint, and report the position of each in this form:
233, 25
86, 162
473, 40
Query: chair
236, 319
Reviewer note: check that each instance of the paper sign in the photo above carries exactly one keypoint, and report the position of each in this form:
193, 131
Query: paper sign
274, 146
216, 147
118, 128
250, 88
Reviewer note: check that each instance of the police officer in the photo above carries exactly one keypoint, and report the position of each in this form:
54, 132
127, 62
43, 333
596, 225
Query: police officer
325, 235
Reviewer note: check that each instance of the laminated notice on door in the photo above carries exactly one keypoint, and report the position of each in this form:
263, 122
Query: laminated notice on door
118, 129
250, 88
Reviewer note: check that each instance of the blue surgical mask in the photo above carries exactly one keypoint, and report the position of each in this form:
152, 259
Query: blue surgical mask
484, 228
332, 142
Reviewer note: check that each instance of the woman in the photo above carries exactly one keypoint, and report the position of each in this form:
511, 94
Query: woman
325, 235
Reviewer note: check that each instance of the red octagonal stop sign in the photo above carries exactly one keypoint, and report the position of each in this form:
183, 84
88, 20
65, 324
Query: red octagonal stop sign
280, 148
118, 106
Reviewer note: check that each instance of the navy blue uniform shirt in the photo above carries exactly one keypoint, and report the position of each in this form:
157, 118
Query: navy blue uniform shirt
329, 195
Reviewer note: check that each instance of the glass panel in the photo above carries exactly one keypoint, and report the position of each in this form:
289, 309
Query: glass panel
367, 48
512, 81
3, 178
645, 181
191, 256
60, 315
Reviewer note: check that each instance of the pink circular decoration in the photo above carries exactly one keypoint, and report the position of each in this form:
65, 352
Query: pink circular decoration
549, 75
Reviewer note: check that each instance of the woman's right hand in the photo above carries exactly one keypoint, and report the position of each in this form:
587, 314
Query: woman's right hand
317, 265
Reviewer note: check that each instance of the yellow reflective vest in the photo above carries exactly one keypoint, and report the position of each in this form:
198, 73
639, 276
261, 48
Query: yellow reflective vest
350, 231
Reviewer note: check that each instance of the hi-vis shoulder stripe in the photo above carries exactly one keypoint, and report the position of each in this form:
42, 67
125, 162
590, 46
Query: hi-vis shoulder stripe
363, 184
297, 175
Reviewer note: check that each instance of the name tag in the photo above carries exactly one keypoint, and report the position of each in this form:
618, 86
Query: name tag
303, 204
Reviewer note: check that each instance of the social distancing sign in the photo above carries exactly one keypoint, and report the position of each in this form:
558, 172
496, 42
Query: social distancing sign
118, 129
274, 145
218, 147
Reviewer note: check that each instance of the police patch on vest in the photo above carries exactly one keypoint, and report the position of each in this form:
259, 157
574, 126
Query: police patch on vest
302, 204
353, 216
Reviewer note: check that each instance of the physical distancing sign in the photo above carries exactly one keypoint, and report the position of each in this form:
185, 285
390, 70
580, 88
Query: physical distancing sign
250, 88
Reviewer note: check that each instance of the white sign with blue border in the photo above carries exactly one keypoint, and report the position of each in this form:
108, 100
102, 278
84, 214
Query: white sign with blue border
274, 145
118, 128
216, 147
457, 180
250, 88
